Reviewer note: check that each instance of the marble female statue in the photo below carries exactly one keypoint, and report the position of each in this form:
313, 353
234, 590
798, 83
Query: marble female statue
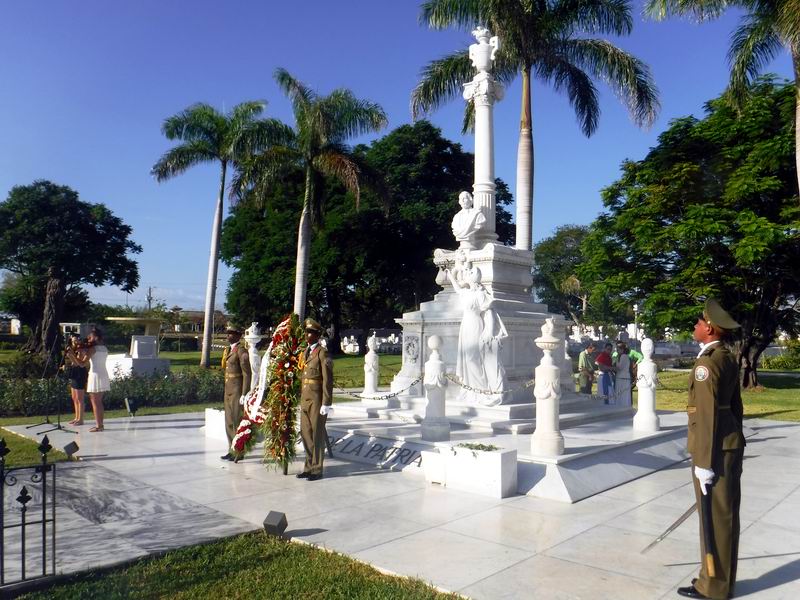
467, 222
478, 363
371, 367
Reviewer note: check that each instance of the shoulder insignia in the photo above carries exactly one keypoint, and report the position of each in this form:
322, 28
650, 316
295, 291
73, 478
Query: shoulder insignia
329, 362
701, 373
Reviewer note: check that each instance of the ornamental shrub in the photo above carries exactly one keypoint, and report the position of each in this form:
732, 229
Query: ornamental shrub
31, 396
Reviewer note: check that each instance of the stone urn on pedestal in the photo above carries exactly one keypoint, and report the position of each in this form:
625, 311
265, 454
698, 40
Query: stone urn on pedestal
547, 439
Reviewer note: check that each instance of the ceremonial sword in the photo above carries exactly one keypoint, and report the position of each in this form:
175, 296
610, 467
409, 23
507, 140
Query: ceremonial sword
672, 527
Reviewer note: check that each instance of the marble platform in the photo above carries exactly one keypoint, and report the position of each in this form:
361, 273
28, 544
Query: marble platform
162, 485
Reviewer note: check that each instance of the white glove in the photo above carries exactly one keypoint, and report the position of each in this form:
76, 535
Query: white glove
242, 399
325, 410
705, 477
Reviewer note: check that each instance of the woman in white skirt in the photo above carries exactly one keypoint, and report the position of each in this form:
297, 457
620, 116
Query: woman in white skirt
99, 382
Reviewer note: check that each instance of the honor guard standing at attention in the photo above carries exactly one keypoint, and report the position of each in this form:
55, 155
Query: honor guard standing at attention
315, 400
716, 443
236, 366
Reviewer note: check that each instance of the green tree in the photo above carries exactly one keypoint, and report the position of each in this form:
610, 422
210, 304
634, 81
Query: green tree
23, 296
370, 265
767, 27
210, 136
55, 241
555, 273
317, 145
541, 39
710, 211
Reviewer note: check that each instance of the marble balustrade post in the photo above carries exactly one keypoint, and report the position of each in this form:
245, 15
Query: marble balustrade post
435, 425
547, 439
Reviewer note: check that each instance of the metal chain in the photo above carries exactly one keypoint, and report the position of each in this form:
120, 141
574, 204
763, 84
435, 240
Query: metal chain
383, 397
457, 381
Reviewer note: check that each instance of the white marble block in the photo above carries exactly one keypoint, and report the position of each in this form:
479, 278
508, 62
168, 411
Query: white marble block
215, 424
489, 473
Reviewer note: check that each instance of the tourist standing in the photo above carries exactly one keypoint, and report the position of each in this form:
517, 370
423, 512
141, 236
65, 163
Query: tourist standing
236, 367
316, 397
98, 381
605, 385
586, 369
78, 375
622, 384
716, 443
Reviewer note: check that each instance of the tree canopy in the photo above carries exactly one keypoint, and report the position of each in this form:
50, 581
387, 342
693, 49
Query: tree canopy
712, 210
370, 264
55, 241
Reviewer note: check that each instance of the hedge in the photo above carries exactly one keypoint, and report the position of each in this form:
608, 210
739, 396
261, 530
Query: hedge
34, 396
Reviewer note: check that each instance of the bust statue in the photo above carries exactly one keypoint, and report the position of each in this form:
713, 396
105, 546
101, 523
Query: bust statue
467, 222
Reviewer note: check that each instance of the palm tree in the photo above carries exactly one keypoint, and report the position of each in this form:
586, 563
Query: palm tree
210, 136
768, 27
317, 146
541, 39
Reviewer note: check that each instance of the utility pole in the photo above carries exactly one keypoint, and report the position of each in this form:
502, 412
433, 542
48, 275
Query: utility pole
149, 298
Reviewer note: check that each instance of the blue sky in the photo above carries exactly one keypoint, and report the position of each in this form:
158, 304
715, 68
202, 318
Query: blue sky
85, 86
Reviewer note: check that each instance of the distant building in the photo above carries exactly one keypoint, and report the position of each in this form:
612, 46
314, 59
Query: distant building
10, 325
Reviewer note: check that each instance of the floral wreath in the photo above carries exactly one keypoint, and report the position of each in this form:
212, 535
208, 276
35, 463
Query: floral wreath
276, 416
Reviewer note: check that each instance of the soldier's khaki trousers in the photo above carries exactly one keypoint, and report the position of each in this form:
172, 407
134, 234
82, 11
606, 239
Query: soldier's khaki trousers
726, 496
313, 432
233, 410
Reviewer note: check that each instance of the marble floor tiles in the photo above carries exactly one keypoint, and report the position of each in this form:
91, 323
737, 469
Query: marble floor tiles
153, 483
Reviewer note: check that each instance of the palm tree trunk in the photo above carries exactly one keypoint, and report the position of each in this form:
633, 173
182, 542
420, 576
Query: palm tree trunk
796, 65
524, 195
213, 263
303, 251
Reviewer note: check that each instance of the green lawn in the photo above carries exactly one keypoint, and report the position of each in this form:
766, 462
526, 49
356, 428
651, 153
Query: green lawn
778, 398
243, 567
24, 451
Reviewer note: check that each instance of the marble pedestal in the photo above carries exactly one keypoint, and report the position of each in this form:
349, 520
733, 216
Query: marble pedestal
506, 274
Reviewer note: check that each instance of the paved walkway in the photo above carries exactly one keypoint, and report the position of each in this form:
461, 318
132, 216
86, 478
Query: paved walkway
156, 482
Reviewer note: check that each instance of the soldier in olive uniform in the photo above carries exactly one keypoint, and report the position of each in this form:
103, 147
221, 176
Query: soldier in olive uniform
315, 401
716, 443
236, 366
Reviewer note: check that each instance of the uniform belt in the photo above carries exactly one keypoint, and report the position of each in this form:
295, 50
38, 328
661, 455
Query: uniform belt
233, 376
693, 409
306, 380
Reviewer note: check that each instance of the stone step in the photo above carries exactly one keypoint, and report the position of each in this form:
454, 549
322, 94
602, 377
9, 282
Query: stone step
573, 412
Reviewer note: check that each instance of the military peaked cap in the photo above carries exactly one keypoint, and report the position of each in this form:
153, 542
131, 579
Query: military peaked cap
718, 317
312, 325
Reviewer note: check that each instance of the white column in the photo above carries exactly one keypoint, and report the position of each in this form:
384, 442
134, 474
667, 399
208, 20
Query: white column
547, 439
435, 426
646, 420
483, 91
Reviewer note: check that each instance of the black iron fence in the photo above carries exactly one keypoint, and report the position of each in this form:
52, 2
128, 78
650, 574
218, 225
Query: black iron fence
28, 521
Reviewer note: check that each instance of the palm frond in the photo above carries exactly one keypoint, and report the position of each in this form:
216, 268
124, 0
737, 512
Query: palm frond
299, 94
567, 77
261, 134
341, 166
442, 80
180, 158
259, 171
246, 112
198, 122
753, 45
788, 23
629, 77
346, 116
595, 16
439, 14
702, 10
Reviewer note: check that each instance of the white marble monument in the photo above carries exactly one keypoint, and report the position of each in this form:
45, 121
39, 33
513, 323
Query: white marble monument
507, 351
